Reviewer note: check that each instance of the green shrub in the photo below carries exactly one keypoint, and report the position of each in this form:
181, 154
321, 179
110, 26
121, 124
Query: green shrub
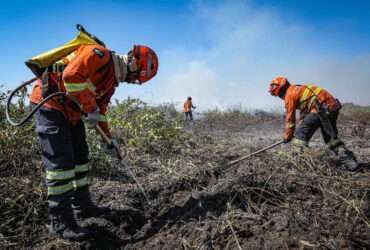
18, 146
146, 127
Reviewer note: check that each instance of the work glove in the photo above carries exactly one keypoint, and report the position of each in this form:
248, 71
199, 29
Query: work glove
91, 119
287, 139
113, 149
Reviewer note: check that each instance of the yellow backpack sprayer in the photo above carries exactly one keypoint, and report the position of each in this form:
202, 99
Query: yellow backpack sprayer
39, 65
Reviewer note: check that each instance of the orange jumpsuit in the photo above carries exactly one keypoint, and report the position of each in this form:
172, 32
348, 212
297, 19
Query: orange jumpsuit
305, 98
187, 106
88, 77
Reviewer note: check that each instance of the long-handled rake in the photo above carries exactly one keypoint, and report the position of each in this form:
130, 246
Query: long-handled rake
231, 163
216, 171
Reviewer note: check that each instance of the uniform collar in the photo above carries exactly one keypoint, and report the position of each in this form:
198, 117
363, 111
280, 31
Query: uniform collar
120, 67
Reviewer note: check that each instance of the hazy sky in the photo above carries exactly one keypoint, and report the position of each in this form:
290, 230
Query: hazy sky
222, 53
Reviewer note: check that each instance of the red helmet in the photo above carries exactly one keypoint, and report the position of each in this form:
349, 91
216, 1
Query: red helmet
277, 85
147, 61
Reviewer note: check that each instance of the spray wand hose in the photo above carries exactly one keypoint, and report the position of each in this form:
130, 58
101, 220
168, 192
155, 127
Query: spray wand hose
119, 156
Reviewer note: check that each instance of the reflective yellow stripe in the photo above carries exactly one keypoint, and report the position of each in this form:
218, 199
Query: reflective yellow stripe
315, 96
101, 93
305, 96
312, 100
59, 62
60, 189
75, 87
82, 168
60, 175
317, 90
103, 118
290, 125
91, 86
306, 91
71, 56
81, 182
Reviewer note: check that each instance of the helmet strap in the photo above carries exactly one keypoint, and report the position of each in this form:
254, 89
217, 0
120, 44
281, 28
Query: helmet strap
283, 91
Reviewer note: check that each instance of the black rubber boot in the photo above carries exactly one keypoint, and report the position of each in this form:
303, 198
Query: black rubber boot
347, 159
83, 206
62, 222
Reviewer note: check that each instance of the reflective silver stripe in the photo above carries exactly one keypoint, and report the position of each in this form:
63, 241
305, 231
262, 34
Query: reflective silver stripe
60, 175
75, 87
81, 182
60, 189
82, 168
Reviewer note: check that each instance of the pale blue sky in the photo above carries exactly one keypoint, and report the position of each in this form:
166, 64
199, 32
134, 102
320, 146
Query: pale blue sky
223, 53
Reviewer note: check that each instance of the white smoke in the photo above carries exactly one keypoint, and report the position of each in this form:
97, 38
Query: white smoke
246, 48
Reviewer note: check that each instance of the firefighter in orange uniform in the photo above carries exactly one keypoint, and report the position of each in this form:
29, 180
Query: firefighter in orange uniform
318, 109
188, 106
89, 76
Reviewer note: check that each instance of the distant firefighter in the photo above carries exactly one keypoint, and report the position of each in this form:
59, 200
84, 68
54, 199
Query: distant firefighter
318, 109
188, 106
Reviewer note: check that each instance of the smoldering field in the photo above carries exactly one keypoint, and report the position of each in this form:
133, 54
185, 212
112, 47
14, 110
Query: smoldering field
280, 199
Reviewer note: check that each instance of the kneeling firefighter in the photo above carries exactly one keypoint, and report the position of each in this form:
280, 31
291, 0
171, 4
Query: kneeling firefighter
318, 109
88, 75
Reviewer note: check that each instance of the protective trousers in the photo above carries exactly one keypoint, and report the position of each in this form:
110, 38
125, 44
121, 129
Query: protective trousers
329, 131
65, 157
312, 122
189, 116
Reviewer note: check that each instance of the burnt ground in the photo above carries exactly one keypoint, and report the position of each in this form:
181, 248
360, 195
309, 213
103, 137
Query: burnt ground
280, 199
